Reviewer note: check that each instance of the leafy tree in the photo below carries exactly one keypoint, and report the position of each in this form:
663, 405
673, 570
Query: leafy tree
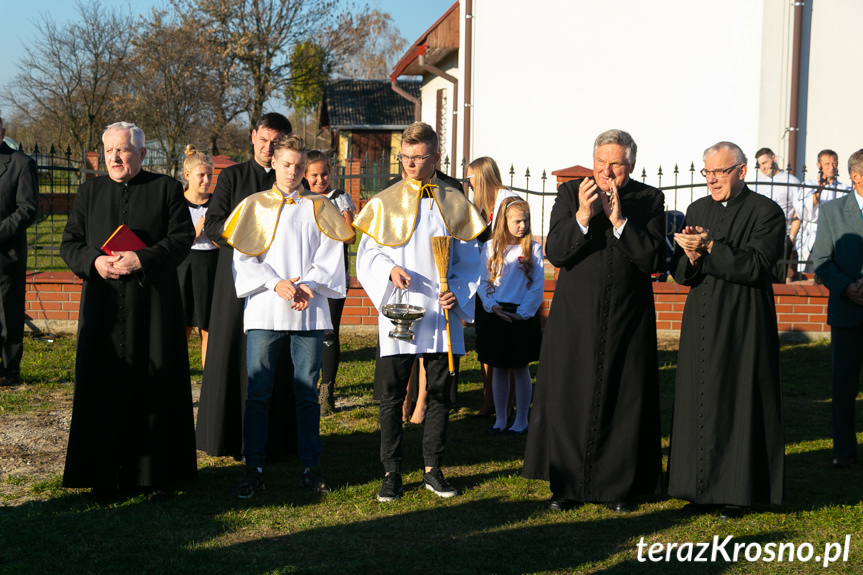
310, 66
260, 34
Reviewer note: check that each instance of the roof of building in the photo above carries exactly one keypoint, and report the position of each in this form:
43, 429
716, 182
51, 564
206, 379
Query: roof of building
367, 104
435, 44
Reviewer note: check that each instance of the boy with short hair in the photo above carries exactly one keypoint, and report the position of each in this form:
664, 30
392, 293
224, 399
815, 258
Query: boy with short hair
287, 251
396, 253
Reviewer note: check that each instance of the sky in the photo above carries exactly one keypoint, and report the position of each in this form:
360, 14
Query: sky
20, 19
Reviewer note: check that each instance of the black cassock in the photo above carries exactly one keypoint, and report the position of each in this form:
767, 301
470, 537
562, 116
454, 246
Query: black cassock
223, 389
594, 427
727, 441
132, 421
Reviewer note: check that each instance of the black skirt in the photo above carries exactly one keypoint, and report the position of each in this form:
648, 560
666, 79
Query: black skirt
197, 274
504, 344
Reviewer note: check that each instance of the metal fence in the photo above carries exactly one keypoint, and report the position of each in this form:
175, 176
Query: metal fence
59, 175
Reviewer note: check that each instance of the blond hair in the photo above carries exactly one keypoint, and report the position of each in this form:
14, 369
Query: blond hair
289, 142
486, 184
502, 238
194, 158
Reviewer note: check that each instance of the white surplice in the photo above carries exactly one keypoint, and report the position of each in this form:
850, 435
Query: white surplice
375, 262
298, 249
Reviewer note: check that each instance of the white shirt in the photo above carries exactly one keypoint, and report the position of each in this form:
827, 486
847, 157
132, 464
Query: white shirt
298, 249
201, 242
776, 189
375, 263
511, 286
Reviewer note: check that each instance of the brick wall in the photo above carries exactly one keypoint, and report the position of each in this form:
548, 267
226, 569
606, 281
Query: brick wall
52, 305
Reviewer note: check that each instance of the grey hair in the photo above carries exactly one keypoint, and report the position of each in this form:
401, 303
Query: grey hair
739, 156
620, 138
855, 163
136, 133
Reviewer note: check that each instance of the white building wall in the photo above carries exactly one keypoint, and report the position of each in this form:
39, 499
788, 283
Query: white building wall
835, 86
430, 87
679, 75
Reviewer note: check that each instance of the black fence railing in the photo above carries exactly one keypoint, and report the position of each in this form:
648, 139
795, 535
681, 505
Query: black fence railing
60, 174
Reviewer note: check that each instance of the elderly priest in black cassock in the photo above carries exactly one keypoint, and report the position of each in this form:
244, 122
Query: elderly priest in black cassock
594, 429
223, 389
727, 442
132, 423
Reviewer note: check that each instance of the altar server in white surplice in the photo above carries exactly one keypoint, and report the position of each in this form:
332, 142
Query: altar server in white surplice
396, 253
288, 259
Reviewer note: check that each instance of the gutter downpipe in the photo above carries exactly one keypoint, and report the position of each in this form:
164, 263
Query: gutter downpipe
406, 96
468, 91
441, 74
794, 113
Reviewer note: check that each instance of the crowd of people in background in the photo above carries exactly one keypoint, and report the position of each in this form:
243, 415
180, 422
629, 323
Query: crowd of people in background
258, 266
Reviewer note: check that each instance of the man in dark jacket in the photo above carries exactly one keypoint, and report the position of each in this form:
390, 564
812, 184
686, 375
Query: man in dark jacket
19, 199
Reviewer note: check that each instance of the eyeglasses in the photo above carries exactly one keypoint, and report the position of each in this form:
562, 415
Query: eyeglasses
719, 173
413, 159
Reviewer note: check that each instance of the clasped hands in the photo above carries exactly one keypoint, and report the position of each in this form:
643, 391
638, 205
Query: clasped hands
402, 280
116, 266
854, 291
695, 242
506, 316
591, 199
298, 294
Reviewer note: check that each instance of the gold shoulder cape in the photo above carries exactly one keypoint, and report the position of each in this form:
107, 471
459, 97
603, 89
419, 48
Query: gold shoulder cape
251, 226
390, 216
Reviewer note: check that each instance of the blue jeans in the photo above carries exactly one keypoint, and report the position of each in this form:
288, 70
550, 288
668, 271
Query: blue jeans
262, 355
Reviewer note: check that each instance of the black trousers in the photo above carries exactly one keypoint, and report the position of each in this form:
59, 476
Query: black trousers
12, 289
847, 356
332, 346
391, 379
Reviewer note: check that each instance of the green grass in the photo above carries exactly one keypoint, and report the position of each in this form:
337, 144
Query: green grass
496, 525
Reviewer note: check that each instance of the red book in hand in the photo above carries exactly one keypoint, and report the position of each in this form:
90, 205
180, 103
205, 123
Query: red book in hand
122, 240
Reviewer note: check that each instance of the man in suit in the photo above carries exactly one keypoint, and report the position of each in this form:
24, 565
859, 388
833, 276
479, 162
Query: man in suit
19, 199
838, 259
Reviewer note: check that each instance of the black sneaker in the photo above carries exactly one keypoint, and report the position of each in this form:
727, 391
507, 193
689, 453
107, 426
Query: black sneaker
252, 482
313, 481
434, 481
391, 488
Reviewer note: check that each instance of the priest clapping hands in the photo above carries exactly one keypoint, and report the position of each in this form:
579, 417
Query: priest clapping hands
695, 241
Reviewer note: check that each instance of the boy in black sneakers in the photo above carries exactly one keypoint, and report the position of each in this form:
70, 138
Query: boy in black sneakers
396, 254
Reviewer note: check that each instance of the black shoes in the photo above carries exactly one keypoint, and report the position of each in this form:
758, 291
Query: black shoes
729, 512
327, 398
433, 481
9, 379
726, 512
252, 482
312, 480
558, 503
842, 462
618, 506
391, 487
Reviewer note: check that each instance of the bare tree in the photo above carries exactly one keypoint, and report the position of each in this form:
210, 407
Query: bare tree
172, 82
67, 76
375, 45
260, 35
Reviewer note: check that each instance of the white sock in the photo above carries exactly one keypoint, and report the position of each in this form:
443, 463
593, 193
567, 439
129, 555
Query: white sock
523, 392
500, 392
